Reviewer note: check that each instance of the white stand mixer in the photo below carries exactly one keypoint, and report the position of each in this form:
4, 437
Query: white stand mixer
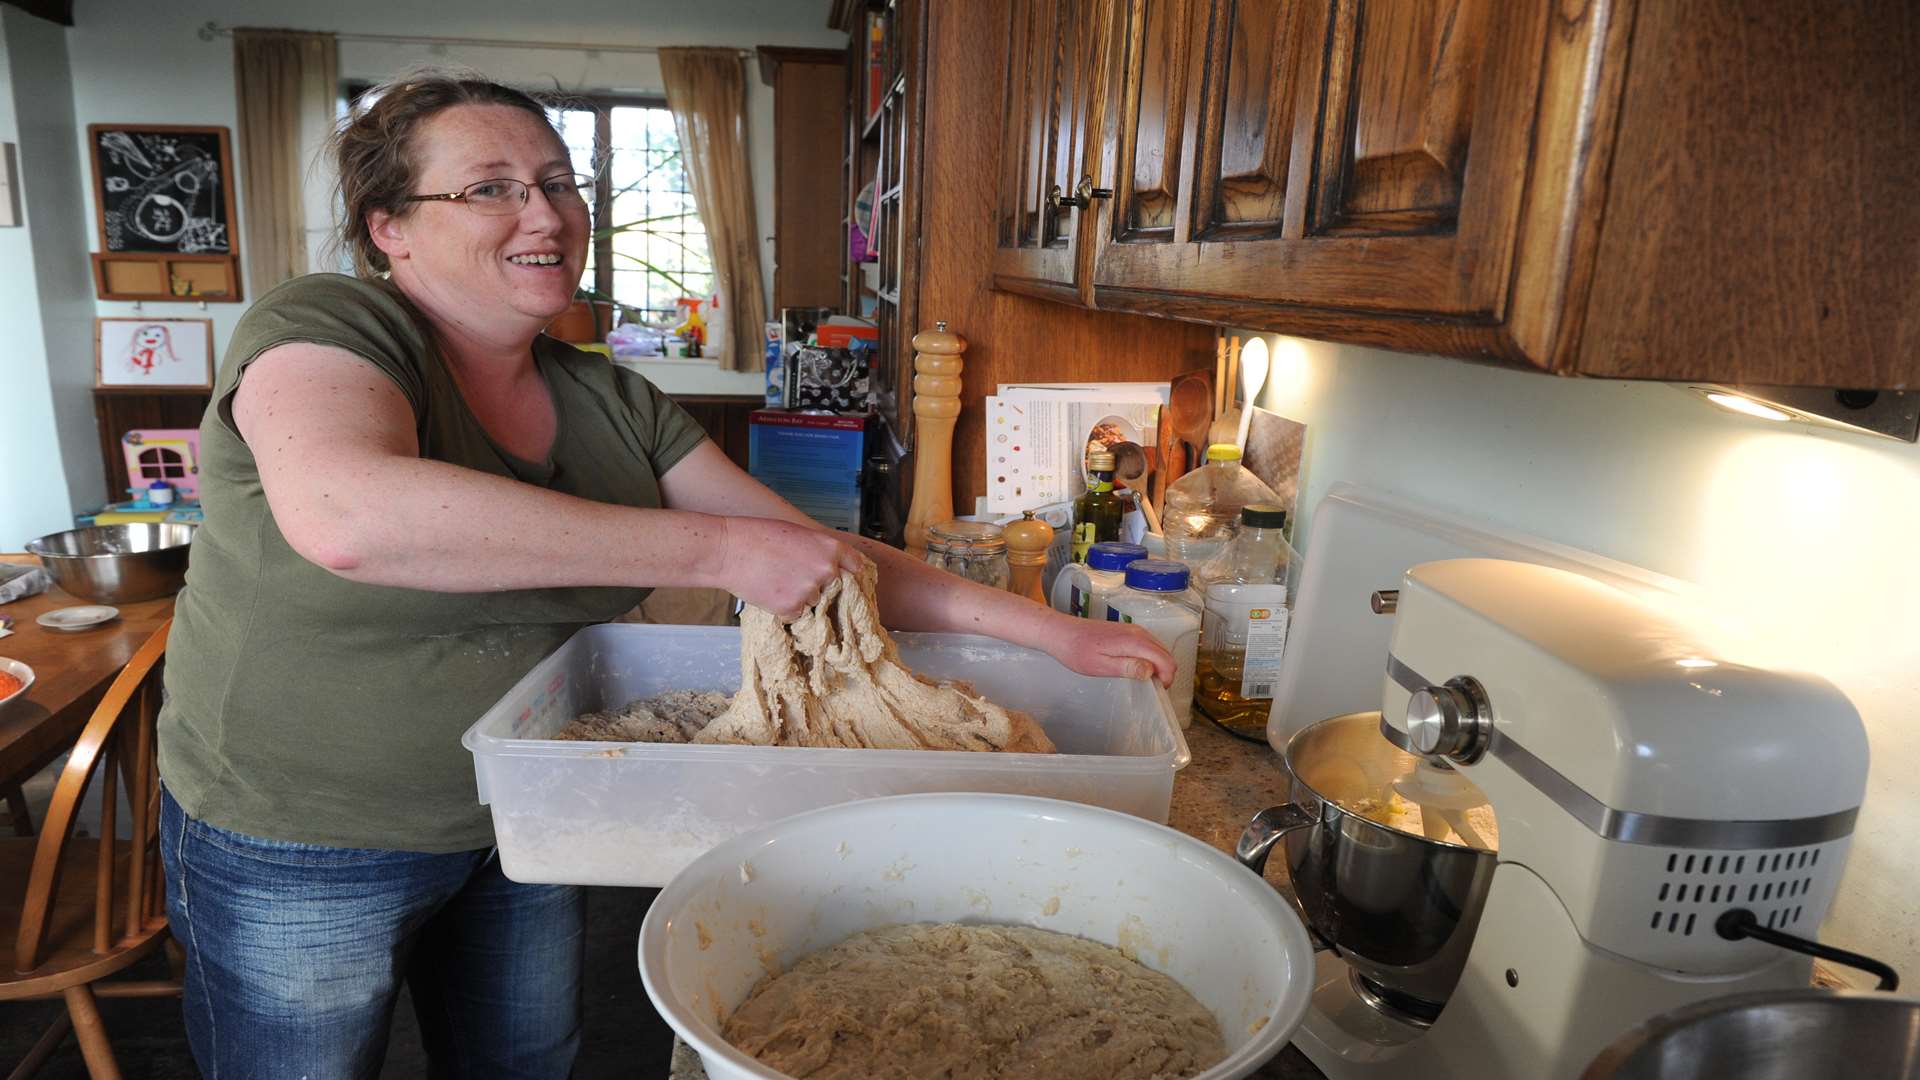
1643, 786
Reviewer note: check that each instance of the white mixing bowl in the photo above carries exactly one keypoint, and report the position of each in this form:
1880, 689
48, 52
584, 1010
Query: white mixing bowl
766, 898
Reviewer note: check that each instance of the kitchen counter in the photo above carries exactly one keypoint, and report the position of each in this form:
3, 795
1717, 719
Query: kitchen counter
1228, 781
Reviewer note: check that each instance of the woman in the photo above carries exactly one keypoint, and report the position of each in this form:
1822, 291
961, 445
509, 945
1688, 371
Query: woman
412, 497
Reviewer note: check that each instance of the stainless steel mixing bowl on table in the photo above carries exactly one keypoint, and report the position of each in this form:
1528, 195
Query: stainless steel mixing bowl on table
117, 564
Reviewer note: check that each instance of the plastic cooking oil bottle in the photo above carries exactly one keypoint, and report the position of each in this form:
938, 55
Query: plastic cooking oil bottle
1155, 599
1244, 624
1203, 507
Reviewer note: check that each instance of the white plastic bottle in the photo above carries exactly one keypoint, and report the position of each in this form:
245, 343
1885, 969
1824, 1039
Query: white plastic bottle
1155, 598
1082, 590
1203, 507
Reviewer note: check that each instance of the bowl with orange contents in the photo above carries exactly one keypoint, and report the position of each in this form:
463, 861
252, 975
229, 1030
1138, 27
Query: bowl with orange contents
15, 677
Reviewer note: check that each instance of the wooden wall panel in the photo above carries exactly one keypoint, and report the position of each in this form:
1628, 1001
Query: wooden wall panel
810, 122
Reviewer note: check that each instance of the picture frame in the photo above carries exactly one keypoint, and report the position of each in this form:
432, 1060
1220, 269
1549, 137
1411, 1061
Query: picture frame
158, 354
164, 212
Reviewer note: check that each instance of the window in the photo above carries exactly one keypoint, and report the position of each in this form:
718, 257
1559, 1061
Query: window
649, 248
161, 464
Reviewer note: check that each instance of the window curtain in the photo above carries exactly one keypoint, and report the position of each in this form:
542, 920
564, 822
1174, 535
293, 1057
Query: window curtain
286, 83
707, 91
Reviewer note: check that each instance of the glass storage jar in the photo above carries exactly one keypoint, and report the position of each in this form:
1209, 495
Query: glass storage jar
975, 550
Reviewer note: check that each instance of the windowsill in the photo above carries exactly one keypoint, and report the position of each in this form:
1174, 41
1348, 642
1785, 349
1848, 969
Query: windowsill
684, 375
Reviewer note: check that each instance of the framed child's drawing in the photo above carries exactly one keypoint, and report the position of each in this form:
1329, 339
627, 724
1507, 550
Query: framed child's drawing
153, 354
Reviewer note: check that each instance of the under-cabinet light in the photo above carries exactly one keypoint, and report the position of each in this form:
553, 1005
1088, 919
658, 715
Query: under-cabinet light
1746, 406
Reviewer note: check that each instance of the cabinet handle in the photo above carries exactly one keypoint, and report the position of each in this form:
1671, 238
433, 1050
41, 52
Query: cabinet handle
1082, 196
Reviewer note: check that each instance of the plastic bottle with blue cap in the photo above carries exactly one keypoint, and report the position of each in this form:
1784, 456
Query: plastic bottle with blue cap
1081, 590
1155, 597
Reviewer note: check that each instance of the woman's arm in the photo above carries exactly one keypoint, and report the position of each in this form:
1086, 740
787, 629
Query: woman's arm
916, 596
381, 514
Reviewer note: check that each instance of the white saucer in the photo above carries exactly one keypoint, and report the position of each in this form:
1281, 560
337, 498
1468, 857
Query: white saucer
78, 618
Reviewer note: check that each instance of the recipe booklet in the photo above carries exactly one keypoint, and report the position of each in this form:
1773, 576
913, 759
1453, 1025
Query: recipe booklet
1039, 435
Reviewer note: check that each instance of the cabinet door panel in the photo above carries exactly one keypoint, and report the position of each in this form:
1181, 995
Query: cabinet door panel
1054, 107
1352, 155
1240, 188
1158, 39
1078, 58
1398, 113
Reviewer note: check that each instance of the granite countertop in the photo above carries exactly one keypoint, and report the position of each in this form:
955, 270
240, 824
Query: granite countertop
1228, 781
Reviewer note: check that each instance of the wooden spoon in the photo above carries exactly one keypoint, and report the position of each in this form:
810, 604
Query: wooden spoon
1130, 472
1191, 406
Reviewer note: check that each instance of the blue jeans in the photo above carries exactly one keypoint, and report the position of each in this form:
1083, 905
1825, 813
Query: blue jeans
296, 953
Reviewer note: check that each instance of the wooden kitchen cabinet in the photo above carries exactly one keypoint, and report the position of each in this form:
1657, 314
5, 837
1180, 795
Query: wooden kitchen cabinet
940, 254
1053, 111
1609, 187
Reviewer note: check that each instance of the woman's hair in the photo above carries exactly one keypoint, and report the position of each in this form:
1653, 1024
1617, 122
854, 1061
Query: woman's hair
374, 152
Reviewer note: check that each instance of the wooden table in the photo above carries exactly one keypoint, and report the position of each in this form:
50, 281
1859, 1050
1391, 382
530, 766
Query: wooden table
71, 672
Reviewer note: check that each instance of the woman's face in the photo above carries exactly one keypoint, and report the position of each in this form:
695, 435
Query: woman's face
478, 269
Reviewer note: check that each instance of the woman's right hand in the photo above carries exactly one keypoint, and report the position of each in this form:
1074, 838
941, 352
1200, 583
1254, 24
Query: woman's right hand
780, 566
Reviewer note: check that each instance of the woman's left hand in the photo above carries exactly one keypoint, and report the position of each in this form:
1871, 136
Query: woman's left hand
1109, 649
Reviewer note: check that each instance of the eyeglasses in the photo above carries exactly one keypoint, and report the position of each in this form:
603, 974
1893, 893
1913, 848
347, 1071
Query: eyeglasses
501, 196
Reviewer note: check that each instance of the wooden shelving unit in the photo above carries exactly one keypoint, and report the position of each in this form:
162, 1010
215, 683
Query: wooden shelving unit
883, 150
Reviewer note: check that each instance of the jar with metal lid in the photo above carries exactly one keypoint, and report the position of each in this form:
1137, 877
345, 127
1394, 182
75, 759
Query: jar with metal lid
975, 550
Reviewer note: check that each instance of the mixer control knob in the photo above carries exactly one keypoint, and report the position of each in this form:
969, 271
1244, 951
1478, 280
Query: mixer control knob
1448, 721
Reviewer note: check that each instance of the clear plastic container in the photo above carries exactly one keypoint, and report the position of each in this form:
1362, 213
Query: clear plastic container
1244, 623
1082, 590
1203, 507
635, 813
1157, 598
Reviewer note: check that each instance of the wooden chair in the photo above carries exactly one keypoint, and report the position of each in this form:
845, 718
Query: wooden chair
91, 908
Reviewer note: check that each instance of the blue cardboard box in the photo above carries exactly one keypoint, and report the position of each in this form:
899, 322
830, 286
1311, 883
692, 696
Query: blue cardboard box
811, 460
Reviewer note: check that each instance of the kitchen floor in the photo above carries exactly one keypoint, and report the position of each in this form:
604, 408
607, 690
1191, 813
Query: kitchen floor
623, 1036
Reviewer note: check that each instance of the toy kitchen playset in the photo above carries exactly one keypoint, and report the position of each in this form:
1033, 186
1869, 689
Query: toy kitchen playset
163, 469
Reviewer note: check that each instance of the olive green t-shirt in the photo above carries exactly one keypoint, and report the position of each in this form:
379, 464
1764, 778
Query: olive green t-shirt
302, 706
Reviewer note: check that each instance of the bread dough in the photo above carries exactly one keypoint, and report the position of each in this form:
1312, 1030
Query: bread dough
833, 677
973, 1003
674, 717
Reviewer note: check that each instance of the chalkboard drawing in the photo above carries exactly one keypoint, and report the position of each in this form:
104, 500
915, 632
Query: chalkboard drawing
163, 190
175, 353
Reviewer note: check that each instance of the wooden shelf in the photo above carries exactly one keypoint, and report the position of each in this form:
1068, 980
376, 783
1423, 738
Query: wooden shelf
871, 130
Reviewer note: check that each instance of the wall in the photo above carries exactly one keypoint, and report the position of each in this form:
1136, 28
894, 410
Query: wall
47, 439
1803, 535
146, 62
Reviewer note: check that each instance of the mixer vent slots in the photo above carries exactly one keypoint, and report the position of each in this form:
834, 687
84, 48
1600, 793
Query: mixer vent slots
1698, 885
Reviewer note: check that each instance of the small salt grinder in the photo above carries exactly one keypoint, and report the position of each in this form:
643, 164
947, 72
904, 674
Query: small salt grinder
1027, 542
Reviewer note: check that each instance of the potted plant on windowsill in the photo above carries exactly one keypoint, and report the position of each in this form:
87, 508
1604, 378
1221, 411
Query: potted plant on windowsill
587, 319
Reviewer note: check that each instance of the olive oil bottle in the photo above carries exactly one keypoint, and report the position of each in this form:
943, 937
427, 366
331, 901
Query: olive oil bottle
1096, 514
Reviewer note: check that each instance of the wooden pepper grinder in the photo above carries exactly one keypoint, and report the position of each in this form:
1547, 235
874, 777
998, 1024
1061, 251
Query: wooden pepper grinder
1027, 542
936, 405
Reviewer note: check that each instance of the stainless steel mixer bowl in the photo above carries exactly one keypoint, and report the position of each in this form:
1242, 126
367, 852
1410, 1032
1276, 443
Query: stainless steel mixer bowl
117, 564
1772, 1035
1401, 909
